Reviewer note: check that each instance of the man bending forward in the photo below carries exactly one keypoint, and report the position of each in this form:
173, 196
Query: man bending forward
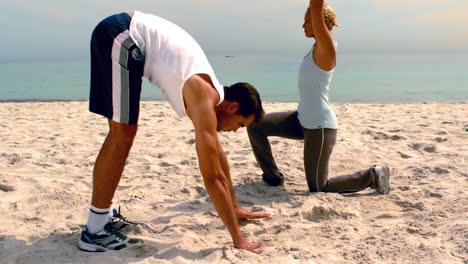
125, 47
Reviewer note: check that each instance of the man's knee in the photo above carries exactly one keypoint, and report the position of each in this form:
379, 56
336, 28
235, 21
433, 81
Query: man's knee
250, 128
253, 130
122, 133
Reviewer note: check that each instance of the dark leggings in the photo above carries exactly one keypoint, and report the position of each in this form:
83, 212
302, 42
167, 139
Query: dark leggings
318, 147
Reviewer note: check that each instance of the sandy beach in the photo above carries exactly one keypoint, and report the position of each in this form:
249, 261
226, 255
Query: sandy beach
48, 151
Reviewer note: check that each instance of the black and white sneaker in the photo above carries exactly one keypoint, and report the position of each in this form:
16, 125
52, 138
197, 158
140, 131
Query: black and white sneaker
107, 239
381, 175
120, 223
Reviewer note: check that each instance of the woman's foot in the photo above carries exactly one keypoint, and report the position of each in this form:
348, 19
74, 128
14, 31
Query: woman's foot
274, 180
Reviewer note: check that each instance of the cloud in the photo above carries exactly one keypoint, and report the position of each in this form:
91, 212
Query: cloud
448, 17
412, 2
52, 9
260, 7
430, 12
448, 26
226, 26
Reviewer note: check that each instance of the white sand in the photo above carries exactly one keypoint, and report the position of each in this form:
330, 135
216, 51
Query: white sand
48, 150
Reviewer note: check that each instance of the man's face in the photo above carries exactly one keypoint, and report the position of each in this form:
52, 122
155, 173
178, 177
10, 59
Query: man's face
232, 121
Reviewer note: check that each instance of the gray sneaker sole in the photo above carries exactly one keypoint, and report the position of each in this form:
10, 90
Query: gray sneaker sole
91, 247
96, 248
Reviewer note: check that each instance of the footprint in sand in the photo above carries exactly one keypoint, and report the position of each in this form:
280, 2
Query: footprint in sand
409, 206
320, 213
185, 190
6, 187
426, 171
441, 170
200, 190
415, 146
388, 216
440, 139
404, 188
380, 135
424, 147
12, 158
415, 228
430, 149
397, 137
32, 219
403, 155
62, 162
434, 194
165, 164
238, 158
423, 172
187, 162
280, 228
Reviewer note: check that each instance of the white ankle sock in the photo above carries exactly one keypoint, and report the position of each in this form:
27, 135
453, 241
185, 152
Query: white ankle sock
97, 219
111, 213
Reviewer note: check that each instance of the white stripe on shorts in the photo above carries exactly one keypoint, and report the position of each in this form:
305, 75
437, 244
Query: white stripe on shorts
120, 80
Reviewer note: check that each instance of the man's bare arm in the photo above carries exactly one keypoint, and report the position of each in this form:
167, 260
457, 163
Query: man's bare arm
200, 101
241, 213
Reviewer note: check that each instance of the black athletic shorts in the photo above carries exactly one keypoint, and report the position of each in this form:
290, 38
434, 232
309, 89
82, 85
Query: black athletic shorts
116, 71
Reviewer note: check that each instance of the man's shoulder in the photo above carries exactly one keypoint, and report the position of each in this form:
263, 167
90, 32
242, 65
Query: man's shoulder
200, 99
200, 85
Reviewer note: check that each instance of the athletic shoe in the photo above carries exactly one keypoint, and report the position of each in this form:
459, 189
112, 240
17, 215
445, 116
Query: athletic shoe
273, 180
120, 223
107, 239
381, 175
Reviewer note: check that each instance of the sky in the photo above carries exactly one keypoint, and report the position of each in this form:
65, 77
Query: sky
57, 29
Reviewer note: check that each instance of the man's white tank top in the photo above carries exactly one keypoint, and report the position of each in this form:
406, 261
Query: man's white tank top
172, 56
314, 109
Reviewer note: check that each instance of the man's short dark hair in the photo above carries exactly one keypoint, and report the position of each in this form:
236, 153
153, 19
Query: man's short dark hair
248, 99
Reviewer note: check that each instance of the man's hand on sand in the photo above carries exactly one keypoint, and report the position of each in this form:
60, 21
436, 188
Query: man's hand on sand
245, 245
244, 214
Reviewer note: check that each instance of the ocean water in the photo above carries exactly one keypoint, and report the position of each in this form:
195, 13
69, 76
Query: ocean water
359, 78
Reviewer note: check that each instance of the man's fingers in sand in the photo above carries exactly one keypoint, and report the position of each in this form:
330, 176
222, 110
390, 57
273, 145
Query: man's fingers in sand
250, 215
258, 246
257, 215
253, 248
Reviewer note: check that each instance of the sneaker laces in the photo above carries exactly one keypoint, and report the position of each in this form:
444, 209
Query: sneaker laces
119, 216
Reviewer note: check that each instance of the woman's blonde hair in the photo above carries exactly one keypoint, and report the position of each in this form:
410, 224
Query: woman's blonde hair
330, 16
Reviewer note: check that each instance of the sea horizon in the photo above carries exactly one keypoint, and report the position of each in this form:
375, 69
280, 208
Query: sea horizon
358, 78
